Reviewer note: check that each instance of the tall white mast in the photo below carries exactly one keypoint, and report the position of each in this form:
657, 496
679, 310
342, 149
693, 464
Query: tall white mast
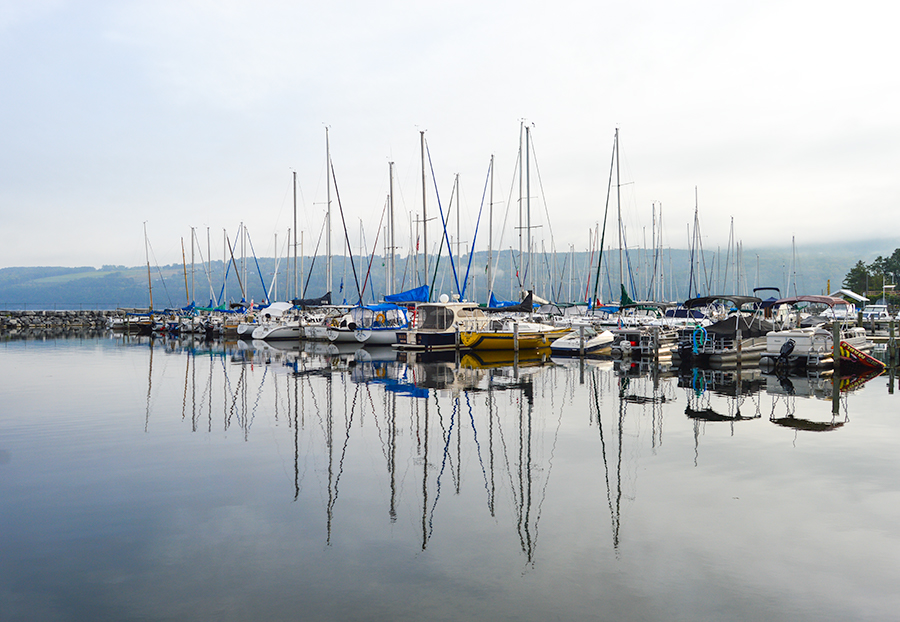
392, 281
458, 239
619, 211
521, 127
528, 202
490, 277
424, 211
296, 291
147, 254
329, 267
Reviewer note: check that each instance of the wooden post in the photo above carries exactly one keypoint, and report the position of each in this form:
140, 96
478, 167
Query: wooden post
892, 346
656, 346
516, 336
835, 392
836, 347
581, 341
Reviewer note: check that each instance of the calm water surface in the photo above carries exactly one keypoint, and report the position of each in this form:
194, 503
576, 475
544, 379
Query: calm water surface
171, 481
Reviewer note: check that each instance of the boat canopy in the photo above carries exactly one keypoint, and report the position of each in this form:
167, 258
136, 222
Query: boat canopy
276, 309
526, 306
681, 312
418, 294
378, 315
755, 327
831, 301
849, 294
312, 302
737, 301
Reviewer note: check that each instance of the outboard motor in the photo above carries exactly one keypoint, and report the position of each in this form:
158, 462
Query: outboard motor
786, 349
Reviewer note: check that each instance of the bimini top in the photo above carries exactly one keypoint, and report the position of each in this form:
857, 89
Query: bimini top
738, 301
822, 300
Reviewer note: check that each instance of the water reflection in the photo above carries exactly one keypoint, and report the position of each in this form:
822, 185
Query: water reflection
353, 482
438, 428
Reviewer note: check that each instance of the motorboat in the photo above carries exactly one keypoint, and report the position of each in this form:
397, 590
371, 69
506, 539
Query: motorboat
371, 325
436, 326
582, 340
507, 333
810, 345
740, 337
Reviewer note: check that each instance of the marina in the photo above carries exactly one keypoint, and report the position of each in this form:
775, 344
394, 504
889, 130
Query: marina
180, 478
449, 312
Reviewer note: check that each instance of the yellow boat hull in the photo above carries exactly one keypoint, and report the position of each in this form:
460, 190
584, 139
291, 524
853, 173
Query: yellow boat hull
505, 340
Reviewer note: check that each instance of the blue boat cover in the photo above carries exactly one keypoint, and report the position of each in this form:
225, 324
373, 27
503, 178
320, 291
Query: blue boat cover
419, 294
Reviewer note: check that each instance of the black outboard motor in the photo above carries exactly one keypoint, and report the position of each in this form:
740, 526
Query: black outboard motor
786, 349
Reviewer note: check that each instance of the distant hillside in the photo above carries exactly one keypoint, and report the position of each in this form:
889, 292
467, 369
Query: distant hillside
118, 286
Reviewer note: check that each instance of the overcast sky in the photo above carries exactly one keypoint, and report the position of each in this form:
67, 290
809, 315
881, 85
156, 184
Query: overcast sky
783, 115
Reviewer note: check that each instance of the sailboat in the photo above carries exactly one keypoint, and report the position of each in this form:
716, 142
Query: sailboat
376, 324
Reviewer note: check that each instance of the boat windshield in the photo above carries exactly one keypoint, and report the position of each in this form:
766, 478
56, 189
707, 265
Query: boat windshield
436, 318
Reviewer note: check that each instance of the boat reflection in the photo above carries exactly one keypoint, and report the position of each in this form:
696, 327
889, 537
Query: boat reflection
441, 426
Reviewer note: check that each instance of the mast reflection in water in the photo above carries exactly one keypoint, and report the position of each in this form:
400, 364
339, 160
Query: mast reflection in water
325, 481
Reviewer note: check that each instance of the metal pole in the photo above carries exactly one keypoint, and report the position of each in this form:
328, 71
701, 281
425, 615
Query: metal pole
424, 212
296, 294
329, 264
392, 284
490, 279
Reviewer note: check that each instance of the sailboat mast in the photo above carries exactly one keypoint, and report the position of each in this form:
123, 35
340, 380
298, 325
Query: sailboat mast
187, 293
490, 277
212, 293
274, 287
224, 265
147, 253
619, 211
424, 212
329, 266
296, 294
243, 260
391, 283
530, 268
655, 292
662, 266
458, 238
521, 126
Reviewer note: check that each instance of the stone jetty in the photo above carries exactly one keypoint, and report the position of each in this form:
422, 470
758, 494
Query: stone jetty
12, 322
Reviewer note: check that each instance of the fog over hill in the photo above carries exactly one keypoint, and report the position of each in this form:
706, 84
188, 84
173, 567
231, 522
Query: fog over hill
808, 270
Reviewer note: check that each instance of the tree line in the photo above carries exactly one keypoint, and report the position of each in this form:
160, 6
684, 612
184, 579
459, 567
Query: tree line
876, 277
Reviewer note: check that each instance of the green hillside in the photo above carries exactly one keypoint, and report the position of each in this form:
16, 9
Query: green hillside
808, 271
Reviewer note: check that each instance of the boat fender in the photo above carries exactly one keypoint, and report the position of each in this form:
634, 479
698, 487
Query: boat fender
626, 346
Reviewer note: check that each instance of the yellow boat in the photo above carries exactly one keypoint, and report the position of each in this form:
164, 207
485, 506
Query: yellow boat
507, 334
